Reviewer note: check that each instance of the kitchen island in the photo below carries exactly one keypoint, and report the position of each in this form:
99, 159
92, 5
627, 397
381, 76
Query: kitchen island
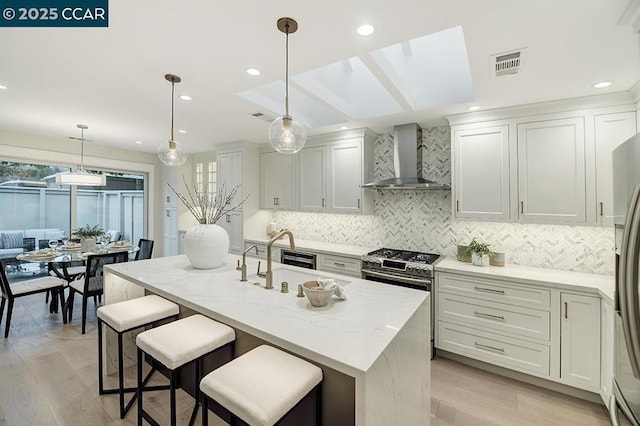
374, 347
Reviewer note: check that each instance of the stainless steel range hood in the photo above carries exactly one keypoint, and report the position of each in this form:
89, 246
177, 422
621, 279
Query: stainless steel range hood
407, 163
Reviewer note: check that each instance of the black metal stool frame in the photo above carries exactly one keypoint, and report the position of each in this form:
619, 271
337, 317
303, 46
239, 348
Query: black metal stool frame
173, 381
121, 390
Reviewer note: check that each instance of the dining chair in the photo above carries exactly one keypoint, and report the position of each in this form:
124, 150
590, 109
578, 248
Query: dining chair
90, 284
146, 249
25, 288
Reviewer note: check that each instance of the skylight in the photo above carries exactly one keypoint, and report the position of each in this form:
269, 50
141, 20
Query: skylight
429, 71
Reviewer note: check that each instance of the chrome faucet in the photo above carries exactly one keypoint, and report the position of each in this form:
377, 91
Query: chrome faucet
269, 275
243, 268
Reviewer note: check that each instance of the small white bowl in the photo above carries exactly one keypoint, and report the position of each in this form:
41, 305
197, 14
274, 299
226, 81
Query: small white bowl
317, 295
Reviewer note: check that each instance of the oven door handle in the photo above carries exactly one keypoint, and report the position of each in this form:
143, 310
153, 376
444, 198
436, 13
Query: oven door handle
399, 279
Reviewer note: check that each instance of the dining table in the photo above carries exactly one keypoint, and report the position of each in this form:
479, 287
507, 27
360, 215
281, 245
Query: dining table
66, 261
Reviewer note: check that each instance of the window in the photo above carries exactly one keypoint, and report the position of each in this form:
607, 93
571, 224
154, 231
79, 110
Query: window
205, 178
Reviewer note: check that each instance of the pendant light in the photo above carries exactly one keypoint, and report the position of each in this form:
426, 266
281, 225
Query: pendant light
171, 153
286, 135
81, 177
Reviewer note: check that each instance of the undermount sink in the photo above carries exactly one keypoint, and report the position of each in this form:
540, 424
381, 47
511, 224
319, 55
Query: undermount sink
294, 277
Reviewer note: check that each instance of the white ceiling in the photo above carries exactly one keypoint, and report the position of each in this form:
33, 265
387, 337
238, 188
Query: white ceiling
112, 79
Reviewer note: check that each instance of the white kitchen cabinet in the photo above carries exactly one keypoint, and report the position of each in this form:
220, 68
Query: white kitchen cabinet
229, 173
340, 264
232, 223
312, 179
610, 131
277, 180
580, 341
606, 350
551, 171
345, 177
481, 173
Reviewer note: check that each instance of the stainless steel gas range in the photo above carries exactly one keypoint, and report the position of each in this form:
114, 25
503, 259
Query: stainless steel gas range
403, 268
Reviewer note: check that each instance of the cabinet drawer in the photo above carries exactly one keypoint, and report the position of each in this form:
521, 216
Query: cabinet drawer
499, 350
340, 264
494, 290
495, 316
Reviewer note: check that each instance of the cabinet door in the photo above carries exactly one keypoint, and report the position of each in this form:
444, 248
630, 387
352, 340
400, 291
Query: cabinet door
610, 131
229, 173
345, 177
277, 181
580, 341
312, 177
268, 180
551, 171
481, 173
232, 223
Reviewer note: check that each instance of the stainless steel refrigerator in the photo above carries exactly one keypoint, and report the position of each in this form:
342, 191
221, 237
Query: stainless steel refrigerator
626, 194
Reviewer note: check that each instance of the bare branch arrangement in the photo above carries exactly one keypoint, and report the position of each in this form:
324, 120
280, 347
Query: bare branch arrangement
206, 207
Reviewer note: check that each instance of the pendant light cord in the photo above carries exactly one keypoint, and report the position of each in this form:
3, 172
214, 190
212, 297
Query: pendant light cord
286, 72
81, 149
173, 84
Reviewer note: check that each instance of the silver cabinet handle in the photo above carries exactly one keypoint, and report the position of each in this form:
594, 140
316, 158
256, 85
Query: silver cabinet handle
323, 202
167, 213
482, 314
493, 348
488, 290
358, 202
566, 310
457, 205
522, 207
228, 218
601, 208
339, 264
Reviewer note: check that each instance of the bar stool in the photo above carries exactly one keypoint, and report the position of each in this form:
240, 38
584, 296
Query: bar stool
261, 387
176, 344
123, 317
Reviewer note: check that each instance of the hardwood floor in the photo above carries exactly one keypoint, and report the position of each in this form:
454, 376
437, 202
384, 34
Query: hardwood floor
48, 376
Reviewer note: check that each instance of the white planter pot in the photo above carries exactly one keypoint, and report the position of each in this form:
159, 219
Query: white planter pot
206, 246
88, 244
478, 260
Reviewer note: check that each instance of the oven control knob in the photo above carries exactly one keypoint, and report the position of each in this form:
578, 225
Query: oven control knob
410, 268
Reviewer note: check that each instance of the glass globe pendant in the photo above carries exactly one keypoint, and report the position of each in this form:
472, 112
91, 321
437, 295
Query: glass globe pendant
171, 153
286, 135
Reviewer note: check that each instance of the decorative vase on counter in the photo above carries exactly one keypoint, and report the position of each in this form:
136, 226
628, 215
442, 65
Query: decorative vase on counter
479, 259
87, 244
206, 245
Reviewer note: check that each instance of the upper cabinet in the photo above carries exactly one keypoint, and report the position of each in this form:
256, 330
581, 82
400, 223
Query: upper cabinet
551, 171
545, 163
277, 181
610, 131
229, 173
325, 176
312, 179
481, 173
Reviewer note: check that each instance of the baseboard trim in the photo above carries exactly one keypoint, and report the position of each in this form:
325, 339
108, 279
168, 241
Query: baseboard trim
526, 378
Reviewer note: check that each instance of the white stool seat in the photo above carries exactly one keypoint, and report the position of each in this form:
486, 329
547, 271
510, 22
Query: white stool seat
137, 312
261, 386
185, 340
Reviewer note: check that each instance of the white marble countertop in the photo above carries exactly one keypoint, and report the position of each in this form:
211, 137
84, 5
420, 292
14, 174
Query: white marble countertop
317, 246
347, 335
603, 285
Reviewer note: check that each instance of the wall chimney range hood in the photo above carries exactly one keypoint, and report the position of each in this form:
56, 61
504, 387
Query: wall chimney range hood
406, 161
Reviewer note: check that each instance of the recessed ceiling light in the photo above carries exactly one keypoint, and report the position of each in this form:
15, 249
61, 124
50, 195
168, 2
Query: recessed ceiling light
138, 142
185, 97
343, 127
473, 107
365, 30
253, 71
3, 87
182, 131
602, 84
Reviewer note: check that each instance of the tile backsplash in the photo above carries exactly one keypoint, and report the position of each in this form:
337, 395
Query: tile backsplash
422, 220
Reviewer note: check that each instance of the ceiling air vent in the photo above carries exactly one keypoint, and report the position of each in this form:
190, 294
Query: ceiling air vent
507, 63
262, 116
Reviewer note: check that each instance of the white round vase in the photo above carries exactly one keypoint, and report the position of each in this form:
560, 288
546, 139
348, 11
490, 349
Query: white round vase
206, 246
479, 260
87, 244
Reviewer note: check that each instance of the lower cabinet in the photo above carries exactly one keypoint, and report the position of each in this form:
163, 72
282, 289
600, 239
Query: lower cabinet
232, 223
606, 350
536, 330
344, 265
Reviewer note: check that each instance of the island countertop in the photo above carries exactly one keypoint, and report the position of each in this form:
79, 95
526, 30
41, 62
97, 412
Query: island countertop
347, 335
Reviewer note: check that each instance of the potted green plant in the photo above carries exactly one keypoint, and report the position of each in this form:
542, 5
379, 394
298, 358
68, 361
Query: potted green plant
87, 235
480, 253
